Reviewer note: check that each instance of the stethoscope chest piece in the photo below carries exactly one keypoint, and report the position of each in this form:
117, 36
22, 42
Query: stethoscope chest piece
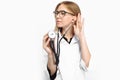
51, 34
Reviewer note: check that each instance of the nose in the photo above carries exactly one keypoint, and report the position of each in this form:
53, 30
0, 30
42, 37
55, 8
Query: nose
58, 15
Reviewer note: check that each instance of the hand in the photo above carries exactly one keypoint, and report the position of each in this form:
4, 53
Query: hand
78, 28
46, 44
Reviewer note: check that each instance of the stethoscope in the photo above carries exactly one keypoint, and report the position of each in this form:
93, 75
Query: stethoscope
52, 36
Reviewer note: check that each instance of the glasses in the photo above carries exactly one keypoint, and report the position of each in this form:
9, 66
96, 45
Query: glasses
62, 13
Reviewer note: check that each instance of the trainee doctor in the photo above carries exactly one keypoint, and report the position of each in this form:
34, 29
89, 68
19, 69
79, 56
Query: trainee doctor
73, 45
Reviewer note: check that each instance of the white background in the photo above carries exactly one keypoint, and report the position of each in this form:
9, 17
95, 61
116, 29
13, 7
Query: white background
24, 22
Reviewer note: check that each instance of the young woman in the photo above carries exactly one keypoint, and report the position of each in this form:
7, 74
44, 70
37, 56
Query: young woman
73, 55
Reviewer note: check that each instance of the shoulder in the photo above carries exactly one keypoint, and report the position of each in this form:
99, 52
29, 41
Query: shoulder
75, 40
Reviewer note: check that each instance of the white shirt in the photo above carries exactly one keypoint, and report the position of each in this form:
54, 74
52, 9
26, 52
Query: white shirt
69, 61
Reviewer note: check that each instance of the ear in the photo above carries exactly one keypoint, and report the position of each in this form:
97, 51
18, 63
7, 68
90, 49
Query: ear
74, 18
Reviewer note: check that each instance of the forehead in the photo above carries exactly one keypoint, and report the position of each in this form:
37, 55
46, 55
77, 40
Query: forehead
62, 7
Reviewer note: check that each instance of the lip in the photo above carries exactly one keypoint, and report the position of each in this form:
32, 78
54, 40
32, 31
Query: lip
58, 21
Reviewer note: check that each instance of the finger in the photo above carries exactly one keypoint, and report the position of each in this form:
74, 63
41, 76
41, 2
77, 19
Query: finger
45, 37
83, 22
79, 17
79, 20
48, 41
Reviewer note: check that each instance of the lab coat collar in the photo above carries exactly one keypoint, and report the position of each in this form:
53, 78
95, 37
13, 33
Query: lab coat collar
73, 41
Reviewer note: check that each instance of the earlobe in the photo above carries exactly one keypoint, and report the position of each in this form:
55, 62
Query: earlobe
74, 22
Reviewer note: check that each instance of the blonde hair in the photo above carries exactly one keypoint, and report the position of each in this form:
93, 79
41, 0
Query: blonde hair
72, 6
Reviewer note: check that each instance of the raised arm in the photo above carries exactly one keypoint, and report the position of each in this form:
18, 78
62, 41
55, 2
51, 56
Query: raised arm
79, 32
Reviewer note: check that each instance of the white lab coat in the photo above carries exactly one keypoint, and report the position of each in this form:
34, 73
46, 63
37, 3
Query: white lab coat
69, 61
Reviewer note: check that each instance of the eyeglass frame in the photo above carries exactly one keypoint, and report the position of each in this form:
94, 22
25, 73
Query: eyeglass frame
62, 12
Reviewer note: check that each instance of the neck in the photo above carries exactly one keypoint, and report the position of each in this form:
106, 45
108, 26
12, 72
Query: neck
69, 34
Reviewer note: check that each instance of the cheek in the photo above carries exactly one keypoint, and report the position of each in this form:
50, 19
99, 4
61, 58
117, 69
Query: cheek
67, 20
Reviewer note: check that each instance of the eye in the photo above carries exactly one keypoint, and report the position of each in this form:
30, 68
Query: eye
63, 12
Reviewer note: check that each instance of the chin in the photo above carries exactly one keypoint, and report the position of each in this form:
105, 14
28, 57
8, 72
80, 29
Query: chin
59, 26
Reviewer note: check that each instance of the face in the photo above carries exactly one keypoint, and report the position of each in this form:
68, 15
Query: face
63, 17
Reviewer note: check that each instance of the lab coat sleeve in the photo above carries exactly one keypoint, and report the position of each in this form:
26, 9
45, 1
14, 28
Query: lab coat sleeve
83, 66
82, 63
44, 60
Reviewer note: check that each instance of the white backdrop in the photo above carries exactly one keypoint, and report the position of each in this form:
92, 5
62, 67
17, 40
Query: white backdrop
23, 24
